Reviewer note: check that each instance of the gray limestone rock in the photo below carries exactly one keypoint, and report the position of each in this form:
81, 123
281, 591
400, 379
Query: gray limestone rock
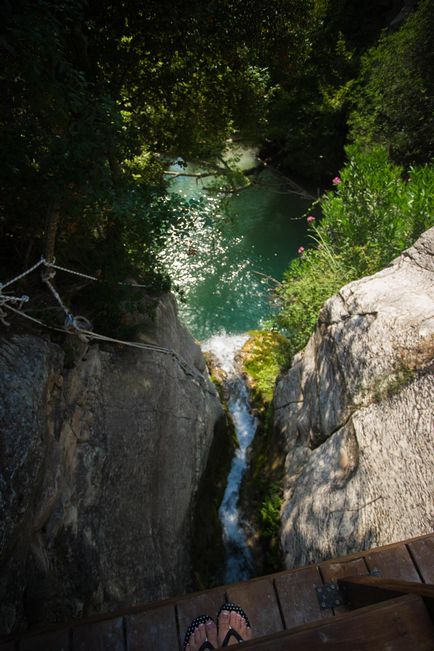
100, 462
356, 412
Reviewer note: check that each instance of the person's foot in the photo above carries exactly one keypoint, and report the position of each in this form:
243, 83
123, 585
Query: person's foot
232, 622
204, 632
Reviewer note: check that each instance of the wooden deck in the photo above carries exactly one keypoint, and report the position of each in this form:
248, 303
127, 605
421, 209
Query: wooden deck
275, 604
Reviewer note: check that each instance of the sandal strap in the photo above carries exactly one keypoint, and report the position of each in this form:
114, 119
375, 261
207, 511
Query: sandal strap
231, 633
207, 645
231, 607
202, 619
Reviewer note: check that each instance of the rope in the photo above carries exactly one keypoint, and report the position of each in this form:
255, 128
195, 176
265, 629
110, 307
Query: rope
85, 334
56, 296
25, 273
81, 275
137, 344
31, 318
4, 300
79, 325
71, 322
70, 271
51, 265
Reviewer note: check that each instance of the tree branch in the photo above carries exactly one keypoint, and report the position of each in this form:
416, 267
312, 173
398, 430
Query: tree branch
267, 277
295, 188
194, 175
216, 170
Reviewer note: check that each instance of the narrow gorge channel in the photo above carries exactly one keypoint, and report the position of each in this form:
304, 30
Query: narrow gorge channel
239, 563
221, 258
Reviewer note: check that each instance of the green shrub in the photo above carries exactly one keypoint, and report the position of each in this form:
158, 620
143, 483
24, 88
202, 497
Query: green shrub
376, 211
372, 216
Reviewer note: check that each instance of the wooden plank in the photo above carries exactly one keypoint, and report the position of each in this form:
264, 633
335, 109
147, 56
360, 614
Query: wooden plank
362, 591
202, 603
393, 563
153, 630
362, 553
99, 636
420, 548
400, 624
298, 599
334, 570
392, 585
422, 552
258, 599
56, 641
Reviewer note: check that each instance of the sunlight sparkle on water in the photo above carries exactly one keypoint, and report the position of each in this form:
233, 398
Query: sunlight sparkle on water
216, 248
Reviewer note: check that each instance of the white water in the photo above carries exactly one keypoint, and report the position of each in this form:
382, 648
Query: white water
239, 561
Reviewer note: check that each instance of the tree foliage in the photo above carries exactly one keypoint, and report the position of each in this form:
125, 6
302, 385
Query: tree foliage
394, 103
308, 120
92, 93
95, 97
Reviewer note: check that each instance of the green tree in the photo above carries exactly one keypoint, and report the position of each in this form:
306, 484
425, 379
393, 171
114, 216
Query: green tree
92, 93
394, 102
308, 120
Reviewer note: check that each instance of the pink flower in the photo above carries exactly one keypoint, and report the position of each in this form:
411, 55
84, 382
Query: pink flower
310, 219
301, 250
336, 180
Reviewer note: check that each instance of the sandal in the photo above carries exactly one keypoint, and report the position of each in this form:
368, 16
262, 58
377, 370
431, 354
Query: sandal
232, 632
203, 619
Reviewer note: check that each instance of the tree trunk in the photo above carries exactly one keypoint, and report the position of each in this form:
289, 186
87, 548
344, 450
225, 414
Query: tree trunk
115, 168
51, 225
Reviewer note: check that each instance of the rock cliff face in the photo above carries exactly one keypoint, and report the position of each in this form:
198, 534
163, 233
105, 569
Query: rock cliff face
100, 460
356, 411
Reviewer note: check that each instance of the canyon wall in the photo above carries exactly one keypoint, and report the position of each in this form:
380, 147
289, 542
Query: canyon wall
356, 413
102, 450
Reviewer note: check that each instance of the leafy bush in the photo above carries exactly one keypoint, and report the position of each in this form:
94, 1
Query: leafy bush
270, 511
374, 213
264, 356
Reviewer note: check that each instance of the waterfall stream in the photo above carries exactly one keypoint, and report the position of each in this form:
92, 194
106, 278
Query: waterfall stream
239, 561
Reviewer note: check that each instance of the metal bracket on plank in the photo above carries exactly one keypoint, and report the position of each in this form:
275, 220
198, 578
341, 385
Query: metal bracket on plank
375, 572
330, 596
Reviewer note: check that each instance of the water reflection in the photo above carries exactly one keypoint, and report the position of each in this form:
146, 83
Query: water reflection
214, 257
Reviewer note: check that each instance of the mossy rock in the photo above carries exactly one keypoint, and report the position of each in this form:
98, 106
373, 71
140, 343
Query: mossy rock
263, 358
